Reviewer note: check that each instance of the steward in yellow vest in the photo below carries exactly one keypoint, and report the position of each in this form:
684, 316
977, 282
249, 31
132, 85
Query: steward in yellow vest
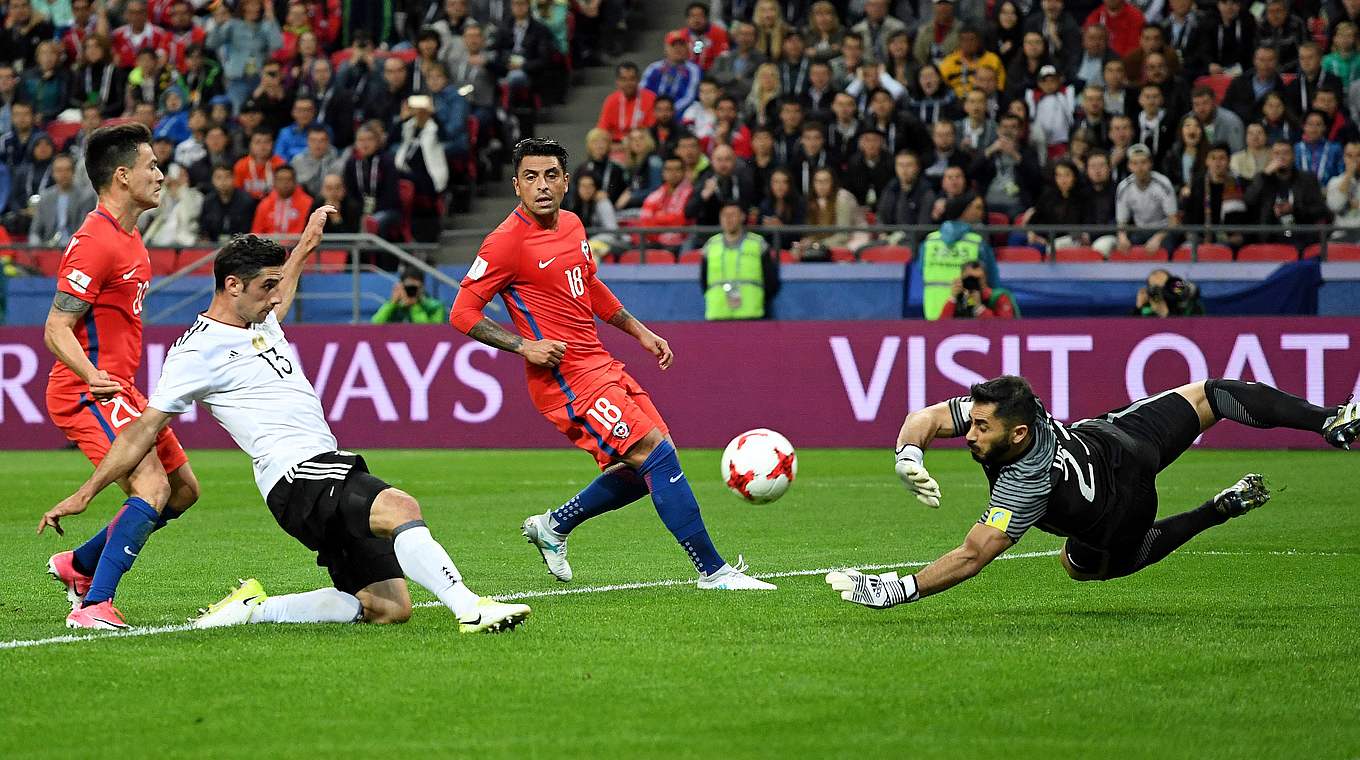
950, 247
738, 275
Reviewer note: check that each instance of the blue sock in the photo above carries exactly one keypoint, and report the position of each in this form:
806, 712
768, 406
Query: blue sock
610, 491
86, 555
127, 535
678, 508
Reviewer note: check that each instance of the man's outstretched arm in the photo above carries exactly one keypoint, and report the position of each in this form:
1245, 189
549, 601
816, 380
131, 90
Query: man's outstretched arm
982, 545
297, 259
918, 431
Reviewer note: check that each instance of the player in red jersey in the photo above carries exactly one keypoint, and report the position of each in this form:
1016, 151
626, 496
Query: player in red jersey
539, 261
95, 330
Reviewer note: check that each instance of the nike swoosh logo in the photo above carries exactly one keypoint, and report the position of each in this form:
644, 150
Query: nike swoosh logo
128, 276
129, 552
249, 599
544, 264
477, 621
677, 477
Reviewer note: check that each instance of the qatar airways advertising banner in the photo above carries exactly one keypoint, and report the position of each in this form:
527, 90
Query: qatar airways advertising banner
819, 383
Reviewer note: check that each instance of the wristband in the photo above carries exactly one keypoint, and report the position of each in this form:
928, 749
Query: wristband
910, 452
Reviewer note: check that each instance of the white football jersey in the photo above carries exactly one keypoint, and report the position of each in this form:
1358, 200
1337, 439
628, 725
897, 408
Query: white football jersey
250, 380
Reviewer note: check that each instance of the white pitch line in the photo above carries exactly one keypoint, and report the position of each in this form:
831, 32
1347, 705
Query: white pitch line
182, 627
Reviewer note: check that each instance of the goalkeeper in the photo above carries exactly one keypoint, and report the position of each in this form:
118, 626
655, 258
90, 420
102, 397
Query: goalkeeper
1093, 482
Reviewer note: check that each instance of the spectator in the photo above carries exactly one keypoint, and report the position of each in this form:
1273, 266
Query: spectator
355, 75
931, 101
735, 69
16, 145
1282, 32
284, 210
175, 222
247, 124
146, 82
675, 76
62, 206
701, 115
1051, 107
191, 149
182, 33
728, 130
782, 205
869, 169
946, 248
845, 66
1062, 203
173, 124
724, 181
1119, 97
824, 32
906, 200
98, 80
1315, 154
1007, 171
1100, 185
643, 166
410, 303
293, 139
450, 27
1340, 129
227, 210
136, 35
451, 113
945, 152
763, 162
1343, 196
972, 298
345, 218
665, 131
1343, 62
1248, 89
765, 97
1278, 122
201, 78
793, 65
319, 159
829, 205
878, 27
957, 68
86, 21
1225, 43
1216, 198
609, 176
789, 131
693, 159
1167, 295
1022, 72
1174, 89
1061, 33
1180, 26
1248, 162
705, 40
217, 153
1311, 75
938, 38
1187, 156
843, 132
334, 104
629, 106
820, 92
420, 159
255, 171
1092, 117
1151, 40
1145, 205
665, 207
1088, 64
811, 156
588, 201
383, 100
45, 84
243, 44
900, 64
739, 276
770, 28
1155, 130
524, 50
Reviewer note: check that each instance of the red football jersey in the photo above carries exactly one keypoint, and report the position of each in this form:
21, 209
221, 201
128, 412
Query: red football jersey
109, 269
548, 281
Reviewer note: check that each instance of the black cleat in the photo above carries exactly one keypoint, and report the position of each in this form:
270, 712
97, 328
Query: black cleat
1243, 496
1342, 428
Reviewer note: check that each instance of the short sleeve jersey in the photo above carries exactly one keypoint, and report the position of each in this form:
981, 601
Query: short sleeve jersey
249, 379
1063, 484
110, 270
548, 281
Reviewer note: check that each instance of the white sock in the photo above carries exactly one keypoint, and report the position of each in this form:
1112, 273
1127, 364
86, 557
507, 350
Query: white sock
425, 562
325, 605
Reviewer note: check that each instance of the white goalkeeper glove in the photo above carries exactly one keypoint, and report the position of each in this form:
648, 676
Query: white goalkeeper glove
915, 477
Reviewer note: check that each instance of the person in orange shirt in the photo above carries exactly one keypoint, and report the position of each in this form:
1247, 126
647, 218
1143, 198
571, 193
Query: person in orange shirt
665, 207
254, 172
627, 107
284, 211
1124, 22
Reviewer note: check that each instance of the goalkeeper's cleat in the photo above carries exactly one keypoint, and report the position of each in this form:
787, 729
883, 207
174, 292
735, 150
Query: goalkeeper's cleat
236, 608
550, 544
62, 567
495, 617
1341, 428
100, 617
729, 578
877, 591
1243, 496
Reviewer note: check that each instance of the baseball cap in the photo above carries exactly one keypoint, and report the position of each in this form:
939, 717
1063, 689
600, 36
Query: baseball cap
1048, 71
420, 103
675, 37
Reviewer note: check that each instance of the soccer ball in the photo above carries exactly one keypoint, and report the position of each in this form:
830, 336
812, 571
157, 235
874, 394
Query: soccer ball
759, 465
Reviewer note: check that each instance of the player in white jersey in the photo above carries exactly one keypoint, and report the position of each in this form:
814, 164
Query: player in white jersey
237, 363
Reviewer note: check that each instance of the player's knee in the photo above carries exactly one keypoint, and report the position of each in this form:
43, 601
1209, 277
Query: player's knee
392, 509
386, 611
1076, 573
184, 495
638, 452
156, 491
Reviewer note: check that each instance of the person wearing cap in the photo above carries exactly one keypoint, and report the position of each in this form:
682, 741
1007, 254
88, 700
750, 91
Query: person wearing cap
878, 27
739, 278
674, 76
947, 249
939, 37
705, 40
1124, 22
1146, 205
957, 68
1051, 107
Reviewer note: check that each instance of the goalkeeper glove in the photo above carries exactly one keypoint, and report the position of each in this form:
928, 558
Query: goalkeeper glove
915, 477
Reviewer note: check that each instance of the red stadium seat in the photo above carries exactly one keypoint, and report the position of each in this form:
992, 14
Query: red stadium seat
1206, 252
998, 219
1335, 251
788, 257
695, 256
1138, 253
46, 261
330, 261
658, 256
1216, 82
1019, 254
61, 132
842, 254
406, 192
1077, 255
188, 256
163, 261
630, 257
891, 254
1268, 252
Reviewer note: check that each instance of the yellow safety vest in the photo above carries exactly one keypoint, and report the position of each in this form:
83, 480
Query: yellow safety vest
940, 263
736, 278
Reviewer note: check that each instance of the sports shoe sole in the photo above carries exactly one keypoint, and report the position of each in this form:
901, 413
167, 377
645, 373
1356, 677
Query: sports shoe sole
504, 625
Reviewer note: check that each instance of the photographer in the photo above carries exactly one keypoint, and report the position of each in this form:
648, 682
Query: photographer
1167, 295
971, 298
409, 303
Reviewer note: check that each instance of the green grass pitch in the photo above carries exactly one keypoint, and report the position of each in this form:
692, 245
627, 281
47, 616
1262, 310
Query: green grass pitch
1242, 644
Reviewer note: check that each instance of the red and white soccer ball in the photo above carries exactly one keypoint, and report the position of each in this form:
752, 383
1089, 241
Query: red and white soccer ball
759, 465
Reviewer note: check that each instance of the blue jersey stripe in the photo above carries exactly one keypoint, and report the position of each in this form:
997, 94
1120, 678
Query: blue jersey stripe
89, 403
538, 335
521, 217
610, 450
91, 337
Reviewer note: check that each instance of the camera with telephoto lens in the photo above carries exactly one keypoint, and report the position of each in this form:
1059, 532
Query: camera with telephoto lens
412, 291
971, 282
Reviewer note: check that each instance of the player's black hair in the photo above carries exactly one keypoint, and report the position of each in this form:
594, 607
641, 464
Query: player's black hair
244, 257
1015, 401
110, 148
538, 146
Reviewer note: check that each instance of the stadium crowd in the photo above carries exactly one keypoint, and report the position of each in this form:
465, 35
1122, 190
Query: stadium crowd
263, 110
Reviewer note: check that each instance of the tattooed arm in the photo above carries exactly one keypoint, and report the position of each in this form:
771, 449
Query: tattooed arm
467, 317
59, 333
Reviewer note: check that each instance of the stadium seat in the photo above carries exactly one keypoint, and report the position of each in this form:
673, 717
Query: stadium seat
695, 256
1138, 253
1268, 252
1019, 254
1077, 255
188, 256
1335, 251
998, 219
788, 257
406, 192
658, 256
633, 256
842, 254
1216, 82
891, 254
61, 132
1206, 252
46, 261
330, 261
162, 261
